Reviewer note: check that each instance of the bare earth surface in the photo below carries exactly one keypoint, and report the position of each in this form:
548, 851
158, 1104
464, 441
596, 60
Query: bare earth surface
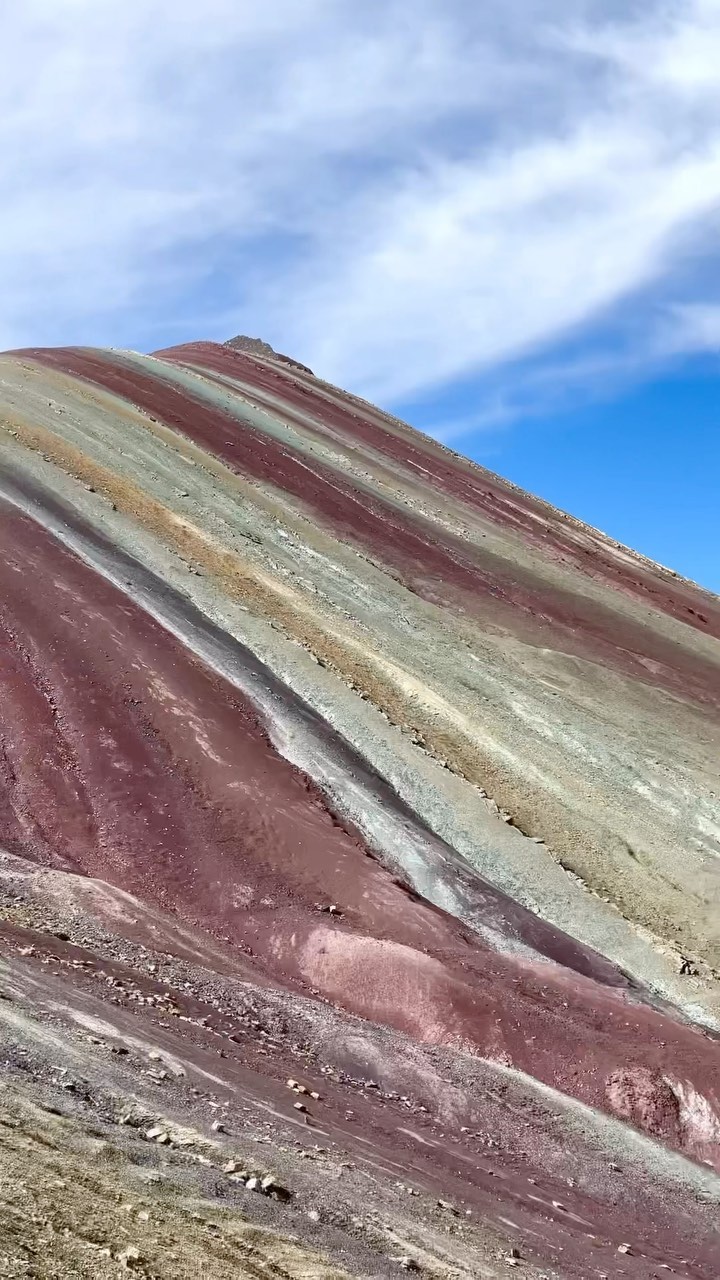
359, 848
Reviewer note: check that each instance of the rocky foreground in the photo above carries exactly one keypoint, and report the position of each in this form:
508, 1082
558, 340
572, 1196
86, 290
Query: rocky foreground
359, 848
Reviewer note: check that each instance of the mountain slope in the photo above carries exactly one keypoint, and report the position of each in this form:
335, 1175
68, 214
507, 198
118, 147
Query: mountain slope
321, 708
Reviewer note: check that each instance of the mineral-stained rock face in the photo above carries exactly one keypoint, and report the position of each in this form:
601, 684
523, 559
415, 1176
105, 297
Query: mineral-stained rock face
327, 755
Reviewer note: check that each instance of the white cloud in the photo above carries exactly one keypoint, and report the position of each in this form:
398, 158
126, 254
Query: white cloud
693, 326
493, 415
397, 195
475, 267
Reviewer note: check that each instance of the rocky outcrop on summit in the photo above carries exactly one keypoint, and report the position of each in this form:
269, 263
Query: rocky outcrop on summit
256, 346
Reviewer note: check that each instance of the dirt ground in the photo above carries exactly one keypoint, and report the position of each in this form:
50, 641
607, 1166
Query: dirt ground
73, 1204
358, 849
141, 1071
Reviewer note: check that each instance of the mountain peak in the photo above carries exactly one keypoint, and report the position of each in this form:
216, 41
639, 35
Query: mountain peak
257, 347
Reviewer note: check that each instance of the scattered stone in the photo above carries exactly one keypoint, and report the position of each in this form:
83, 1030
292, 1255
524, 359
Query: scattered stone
129, 1257
157, 1134
624, 1248
406, 1262
218, 1127
278, 1192
253, 1183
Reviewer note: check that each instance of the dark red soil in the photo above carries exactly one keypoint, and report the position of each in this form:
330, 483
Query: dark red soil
448, 572
124, 757
482, 491
488, 1157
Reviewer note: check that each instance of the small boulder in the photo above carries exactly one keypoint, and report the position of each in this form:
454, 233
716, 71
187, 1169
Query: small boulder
129, 1257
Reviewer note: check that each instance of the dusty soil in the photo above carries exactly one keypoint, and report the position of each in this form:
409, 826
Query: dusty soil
74, 1203
358, 830
130, 1025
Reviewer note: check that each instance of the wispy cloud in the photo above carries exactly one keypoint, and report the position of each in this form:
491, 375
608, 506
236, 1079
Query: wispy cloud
492, 415
399, 196
691, 327
546, 386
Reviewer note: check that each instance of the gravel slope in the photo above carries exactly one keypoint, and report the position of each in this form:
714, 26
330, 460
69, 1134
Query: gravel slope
297, 697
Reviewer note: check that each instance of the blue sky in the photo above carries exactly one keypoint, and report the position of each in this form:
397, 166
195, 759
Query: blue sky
643, 466
500, 220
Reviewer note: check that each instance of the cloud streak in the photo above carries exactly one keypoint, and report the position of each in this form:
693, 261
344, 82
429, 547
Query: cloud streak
400, 198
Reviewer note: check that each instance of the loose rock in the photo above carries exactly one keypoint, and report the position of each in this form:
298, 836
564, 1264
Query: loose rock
129, 1257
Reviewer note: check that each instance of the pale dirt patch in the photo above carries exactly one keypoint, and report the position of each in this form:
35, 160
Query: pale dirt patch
66, 1198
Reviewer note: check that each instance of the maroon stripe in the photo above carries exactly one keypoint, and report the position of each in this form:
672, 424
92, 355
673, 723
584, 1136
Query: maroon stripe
126, 758
480, 490
464, 578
